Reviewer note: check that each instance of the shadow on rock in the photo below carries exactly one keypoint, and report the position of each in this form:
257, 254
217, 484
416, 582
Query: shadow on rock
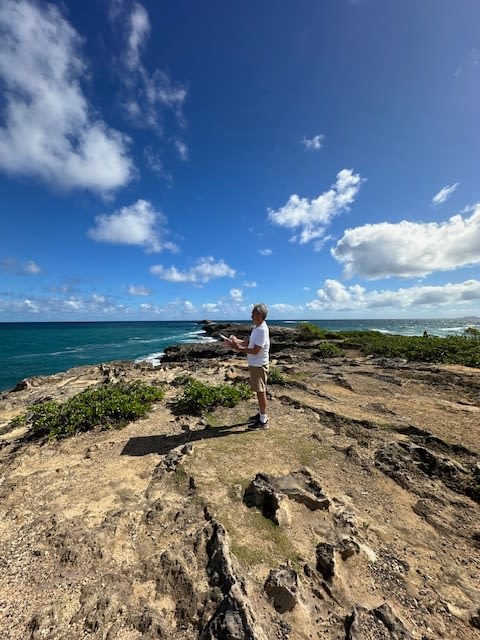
144, 445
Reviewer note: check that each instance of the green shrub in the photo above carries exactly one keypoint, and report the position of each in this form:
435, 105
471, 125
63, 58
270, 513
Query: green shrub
181, 380
463, 350
447, 350
18, 421
106, 406
198, 397
327, 350
275, 376
308, 331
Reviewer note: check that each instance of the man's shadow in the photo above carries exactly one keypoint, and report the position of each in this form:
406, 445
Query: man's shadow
142, 446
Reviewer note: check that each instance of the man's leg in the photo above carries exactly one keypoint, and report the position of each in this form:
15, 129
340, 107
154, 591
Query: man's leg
258, 379
262, 402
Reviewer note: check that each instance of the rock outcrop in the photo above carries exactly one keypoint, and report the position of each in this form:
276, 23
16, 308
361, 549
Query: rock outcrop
354, 517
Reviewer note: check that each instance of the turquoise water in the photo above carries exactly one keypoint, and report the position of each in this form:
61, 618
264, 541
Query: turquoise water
42, 348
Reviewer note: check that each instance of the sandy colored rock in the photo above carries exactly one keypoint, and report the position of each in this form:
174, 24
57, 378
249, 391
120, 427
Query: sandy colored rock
144, 532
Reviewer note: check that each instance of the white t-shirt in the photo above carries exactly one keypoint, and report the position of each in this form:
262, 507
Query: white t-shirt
260, 336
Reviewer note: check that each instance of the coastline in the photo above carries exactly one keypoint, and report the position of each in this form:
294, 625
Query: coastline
157, 511
30, 349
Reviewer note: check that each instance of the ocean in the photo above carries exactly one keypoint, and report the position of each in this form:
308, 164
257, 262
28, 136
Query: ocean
43, 348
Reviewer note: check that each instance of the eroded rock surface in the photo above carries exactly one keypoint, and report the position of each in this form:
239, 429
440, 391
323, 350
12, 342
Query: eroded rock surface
354, 517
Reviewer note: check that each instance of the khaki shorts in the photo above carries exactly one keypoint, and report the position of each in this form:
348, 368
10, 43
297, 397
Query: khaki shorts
258, 378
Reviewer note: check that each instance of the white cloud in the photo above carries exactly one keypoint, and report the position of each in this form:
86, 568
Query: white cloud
31, 306
205, 270
80, 306
178, 308
336, 293
286, 308
12, 265
315, 143
153, 160
139, 224
236, 295
470, 63
265, 252
139, 32
227, 308
334, 296
210, 307
139, 290
182, 150
148, 93
155, 163
93, 306
31, 268
444, 194
49, 131
312, 216
410, 249
250, 285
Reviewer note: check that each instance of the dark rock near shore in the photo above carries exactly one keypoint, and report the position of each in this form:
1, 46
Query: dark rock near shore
281, 338
191, 352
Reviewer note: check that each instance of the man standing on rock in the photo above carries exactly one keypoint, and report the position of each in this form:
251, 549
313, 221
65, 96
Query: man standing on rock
257, 348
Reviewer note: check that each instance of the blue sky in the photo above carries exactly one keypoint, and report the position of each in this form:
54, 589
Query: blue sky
184, 160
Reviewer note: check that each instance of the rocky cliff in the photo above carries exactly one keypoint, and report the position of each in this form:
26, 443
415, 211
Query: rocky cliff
355, 516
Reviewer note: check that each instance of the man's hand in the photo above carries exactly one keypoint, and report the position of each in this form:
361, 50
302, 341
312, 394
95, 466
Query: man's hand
234, 343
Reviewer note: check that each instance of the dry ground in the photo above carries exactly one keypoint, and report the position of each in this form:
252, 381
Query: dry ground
99, 540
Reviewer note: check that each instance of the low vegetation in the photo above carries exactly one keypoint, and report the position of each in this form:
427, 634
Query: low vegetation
308, 332
198, 397
463, 350
447, 350
115, 405
327, 350
270, 545
275, 376
112, 405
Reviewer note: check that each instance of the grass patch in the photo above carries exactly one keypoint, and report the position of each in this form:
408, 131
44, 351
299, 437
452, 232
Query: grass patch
247, 556
310, 452
271, 544
221, 417
298, 376
235, 491
111, 405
